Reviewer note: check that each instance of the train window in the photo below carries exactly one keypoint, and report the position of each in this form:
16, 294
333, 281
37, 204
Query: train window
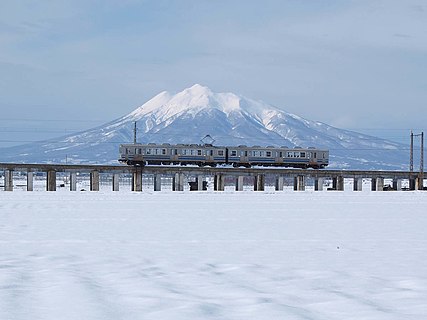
246, 153
175, 152
302, 154
315, 154
280, 154
184, 152
262, 153
268, 153
148, 151
289, 154
199, 152
138, 151
233, 153
296, 154
220, 152
163, 151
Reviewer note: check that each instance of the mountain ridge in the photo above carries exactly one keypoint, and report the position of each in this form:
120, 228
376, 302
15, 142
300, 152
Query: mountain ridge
189, 115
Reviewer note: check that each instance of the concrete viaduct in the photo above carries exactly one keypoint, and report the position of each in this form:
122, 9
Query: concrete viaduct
177, 173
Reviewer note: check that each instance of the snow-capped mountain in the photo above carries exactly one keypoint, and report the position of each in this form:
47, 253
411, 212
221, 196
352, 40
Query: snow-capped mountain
230, 119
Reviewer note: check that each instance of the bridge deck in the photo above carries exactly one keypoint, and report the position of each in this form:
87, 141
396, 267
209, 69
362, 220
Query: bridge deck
169, 170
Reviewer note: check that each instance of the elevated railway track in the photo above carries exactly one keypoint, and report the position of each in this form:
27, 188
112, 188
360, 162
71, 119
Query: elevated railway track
199, 174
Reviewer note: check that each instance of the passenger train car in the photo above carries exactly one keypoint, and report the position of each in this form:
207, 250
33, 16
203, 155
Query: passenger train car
209, 155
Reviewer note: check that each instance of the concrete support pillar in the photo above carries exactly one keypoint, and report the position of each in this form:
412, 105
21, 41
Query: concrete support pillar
259, 182
373, 184
419, 183
157, 182
397, 184
51, 180
318, 184
380, 184
334, 183
412, 183
339, 183
357, 184
239, 183
8, 180
94, 180
219, 182
279, 183
73, 181
200, 182
116, 180
137, 180
30, 181
178, 182
299, 183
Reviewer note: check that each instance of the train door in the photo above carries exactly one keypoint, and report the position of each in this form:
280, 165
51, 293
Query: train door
312, 159
209, 155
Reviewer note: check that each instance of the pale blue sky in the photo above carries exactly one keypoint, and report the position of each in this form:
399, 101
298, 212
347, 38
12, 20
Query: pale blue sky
71, 65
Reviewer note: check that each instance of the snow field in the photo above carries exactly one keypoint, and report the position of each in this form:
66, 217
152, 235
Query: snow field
206, 255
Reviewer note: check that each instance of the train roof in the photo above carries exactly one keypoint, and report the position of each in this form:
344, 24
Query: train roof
181, 145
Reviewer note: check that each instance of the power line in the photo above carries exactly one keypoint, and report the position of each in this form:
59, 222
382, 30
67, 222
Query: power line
53, 120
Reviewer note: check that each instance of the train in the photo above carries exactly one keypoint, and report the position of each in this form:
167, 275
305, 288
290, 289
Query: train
138, 154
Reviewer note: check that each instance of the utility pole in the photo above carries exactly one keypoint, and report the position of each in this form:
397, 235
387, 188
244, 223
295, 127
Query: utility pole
411, 154
411, 158
134, 132
422, 157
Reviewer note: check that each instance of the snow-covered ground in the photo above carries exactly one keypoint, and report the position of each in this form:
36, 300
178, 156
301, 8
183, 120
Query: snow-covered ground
205, 255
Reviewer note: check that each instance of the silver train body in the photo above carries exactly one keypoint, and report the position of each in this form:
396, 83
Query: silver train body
209, 155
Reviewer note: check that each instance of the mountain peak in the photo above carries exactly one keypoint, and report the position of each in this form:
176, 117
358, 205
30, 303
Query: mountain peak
198, 89
194, 99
